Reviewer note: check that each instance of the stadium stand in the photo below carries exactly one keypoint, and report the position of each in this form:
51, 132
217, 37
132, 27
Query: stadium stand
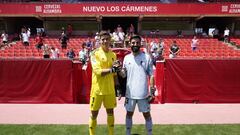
208, 48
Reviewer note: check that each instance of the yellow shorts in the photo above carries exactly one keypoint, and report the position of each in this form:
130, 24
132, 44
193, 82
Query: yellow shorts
109, 102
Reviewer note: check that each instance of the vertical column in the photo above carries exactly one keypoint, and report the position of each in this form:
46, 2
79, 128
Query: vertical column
99, 21
159, 81
140, 18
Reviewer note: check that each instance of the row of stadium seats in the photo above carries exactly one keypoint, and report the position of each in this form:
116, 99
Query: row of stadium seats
208, 48
236, 41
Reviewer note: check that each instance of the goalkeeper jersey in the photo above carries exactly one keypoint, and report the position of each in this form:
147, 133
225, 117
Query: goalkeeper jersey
102, 85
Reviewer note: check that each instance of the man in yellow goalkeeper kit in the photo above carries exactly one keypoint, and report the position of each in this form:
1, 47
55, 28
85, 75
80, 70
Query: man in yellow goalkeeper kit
103, 83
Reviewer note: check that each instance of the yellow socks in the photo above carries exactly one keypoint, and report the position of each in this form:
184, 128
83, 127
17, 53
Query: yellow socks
92, 126
110, 122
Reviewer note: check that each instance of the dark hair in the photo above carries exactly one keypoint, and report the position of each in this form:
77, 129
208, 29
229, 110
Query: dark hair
135, 36
104, 33
84, 44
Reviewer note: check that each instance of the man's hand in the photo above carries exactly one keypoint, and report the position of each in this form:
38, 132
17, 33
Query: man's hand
151, 96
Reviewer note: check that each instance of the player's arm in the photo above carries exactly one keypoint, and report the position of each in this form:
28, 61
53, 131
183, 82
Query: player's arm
116, 67
151, 74
102, 72
96, 68
151, 96
106, 71
152, 82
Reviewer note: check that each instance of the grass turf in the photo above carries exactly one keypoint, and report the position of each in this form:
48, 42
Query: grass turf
219, 129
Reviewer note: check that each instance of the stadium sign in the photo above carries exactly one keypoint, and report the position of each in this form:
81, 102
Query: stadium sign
234, 8
120, 9
108, 9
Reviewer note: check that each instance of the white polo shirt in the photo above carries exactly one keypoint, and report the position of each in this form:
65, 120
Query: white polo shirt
138, 69
194, 43
25, 37
226, 32
4, 37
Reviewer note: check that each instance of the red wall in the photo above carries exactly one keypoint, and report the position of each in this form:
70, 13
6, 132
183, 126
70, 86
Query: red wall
36, 81
61, 81
202, 81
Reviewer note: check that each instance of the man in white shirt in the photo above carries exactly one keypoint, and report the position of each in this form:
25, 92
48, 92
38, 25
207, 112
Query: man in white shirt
4, 37
55, 53
115, 36
121, 35
46, 51
97, 41
83, 54
29, 32
194, 43
25, 38
226, 35
215, 33
138, 67
154, 46
154, 50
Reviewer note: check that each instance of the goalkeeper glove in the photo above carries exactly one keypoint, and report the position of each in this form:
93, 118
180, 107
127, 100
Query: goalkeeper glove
116, 67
